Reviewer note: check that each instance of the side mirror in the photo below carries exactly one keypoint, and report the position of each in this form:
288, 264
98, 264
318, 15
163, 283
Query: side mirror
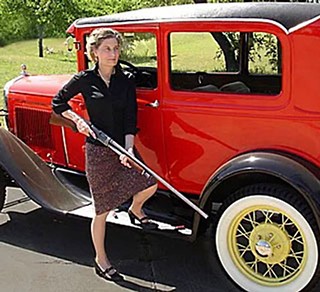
69, 43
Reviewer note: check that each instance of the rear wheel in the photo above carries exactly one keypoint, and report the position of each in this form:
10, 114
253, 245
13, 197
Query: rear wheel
266, 239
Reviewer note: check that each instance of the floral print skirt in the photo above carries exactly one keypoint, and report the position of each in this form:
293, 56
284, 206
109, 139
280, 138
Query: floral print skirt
111, 183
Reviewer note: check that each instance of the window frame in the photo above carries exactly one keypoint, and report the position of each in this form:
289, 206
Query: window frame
243, 61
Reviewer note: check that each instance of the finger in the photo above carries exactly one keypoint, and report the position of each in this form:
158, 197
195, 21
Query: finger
85, 131
92, 134
125, 161
127, 165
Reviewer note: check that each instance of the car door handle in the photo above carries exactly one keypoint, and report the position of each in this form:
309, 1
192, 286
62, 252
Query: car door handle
153, 104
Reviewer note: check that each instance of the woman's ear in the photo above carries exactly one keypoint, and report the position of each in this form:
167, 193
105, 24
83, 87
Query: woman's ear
94, 51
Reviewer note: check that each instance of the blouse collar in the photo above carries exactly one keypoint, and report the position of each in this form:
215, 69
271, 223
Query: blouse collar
116, 71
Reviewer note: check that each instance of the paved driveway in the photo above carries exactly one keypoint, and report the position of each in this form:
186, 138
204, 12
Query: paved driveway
41, 251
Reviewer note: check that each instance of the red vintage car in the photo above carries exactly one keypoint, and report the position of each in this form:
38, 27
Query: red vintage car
228, 114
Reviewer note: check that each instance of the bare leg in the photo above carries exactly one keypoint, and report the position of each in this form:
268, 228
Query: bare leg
98, 230
140, 198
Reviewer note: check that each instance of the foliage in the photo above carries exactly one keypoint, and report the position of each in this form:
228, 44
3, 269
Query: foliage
43, 15
24, 19
265, 46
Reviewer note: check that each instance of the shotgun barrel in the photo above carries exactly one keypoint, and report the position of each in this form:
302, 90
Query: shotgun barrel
114, 146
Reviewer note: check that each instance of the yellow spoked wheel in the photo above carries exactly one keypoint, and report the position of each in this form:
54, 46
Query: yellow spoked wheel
266, 244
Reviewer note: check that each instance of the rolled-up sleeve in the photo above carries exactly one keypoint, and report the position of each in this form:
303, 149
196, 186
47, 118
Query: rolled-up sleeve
130, 117
60, 101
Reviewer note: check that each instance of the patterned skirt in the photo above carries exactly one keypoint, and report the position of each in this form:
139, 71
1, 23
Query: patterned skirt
111, 183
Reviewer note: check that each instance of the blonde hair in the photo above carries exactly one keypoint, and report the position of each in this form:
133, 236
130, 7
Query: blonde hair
97, 36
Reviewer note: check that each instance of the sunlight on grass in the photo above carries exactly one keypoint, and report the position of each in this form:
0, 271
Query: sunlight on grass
195, 52
57, 60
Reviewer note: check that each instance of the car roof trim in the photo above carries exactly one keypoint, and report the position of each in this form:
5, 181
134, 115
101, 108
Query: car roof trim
192, 20
304, 24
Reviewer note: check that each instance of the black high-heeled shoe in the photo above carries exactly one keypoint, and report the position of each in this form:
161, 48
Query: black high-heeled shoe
143, 222
107, 274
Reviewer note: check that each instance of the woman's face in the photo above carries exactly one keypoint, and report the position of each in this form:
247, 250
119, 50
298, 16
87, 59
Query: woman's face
108, 52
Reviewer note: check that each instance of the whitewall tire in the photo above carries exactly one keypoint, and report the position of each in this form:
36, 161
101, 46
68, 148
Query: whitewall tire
265, 243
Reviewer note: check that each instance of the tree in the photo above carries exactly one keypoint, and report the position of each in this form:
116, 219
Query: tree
43, 15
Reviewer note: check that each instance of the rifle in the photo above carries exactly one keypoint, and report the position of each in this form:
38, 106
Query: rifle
114, 146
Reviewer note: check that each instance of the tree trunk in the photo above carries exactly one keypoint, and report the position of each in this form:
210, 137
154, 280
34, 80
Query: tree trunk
40, 41
228, 51
224, 44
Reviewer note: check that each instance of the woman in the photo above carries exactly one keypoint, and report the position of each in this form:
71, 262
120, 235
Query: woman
110, 99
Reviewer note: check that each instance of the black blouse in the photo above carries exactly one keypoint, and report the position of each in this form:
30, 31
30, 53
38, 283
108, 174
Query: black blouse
112, 110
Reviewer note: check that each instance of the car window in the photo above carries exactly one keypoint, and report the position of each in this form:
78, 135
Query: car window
201, 52
220, 62
264, 54
139, 54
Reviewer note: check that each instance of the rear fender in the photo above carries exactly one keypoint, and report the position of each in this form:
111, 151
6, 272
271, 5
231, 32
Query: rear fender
277, 166
35, 177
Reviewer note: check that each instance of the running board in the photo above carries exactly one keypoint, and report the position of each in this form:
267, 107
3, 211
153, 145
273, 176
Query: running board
121, 217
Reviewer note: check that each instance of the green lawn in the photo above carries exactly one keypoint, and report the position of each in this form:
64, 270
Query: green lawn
54, 62
195, 52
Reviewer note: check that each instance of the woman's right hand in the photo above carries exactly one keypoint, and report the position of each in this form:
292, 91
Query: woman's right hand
84, 128
81, 124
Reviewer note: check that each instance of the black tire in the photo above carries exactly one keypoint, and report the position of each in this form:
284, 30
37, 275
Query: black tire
266, 239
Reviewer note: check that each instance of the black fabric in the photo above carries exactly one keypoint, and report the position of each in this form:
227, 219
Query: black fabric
113, 110
286, 14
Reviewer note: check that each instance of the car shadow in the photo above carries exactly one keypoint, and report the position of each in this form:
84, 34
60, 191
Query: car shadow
168, 264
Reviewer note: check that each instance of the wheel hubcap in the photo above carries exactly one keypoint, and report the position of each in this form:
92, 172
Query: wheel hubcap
269, 243
263, 248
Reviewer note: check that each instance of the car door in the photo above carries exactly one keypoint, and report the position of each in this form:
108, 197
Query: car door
143, 59
209, 104
139, 57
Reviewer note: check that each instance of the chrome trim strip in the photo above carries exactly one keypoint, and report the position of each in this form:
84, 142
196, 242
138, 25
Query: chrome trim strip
213, 20
304, 24
65, 148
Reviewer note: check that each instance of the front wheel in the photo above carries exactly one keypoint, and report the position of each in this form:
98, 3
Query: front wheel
266, 239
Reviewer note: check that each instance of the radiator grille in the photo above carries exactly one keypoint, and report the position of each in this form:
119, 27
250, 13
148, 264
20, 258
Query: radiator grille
33, 127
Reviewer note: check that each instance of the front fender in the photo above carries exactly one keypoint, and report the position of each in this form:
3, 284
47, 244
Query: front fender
35, 177
273, 165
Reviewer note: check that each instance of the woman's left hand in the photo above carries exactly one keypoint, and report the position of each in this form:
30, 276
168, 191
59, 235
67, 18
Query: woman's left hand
125, 160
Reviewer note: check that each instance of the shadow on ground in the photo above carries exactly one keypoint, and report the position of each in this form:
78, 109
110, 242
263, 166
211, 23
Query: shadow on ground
171, 264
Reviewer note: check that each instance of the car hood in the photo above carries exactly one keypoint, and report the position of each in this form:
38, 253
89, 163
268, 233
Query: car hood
44, 85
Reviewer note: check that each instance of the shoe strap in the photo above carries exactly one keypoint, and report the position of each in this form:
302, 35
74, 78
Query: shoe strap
108, 270
145, 219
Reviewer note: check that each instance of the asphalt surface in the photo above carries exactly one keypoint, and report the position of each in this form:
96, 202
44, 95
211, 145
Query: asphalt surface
42, 251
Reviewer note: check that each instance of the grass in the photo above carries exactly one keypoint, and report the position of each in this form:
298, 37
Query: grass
195, 52
55, 61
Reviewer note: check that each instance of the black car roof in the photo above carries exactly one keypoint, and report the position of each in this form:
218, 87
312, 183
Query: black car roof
286, 14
